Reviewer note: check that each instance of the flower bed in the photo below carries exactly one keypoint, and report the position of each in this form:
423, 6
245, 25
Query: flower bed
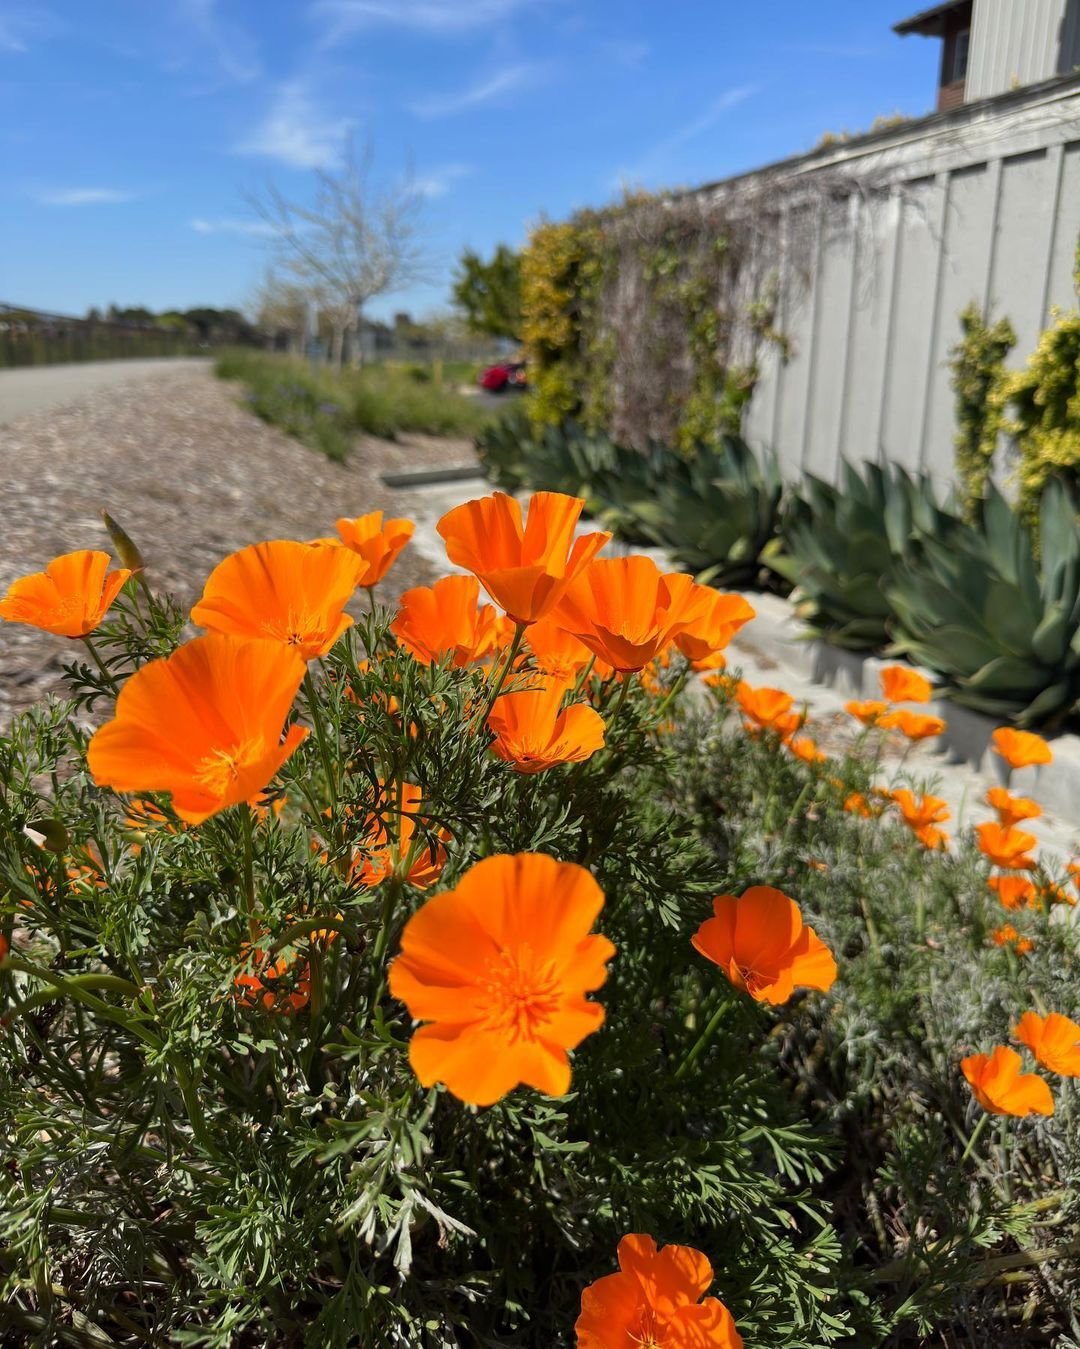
507, 975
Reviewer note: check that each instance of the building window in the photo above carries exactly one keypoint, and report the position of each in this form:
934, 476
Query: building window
961, 44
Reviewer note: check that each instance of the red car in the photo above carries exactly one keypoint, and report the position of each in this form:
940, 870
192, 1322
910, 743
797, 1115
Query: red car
506, 375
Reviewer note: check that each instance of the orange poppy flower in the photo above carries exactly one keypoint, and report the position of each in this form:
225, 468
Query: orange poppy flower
857, 804
769, 709
444, 621
655, 1299
1053, 1039
533, 731
69, 598
500, 967
1011, 809
526, 569
869, 711
557, 653
625, 610
280, 983
1007, 935
203, 724
380, 856
901, 684
1002, 1089
761, 944
918, 812
283, 590
1057, 894
377, 543
711, 618
1006, 848
1021, 749
1015, 892
803, 747
914, 725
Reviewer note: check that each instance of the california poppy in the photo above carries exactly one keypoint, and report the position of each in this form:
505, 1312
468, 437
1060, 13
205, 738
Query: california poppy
914, 725
869, 711
445, 621
1015, 892
277, 983
203, 724
1007, 848
901, 684
625, 610
1012, 809
1053, 1039
500, 967
857, 804
376, 541
287, 591
769, 709
710, 619
1000, 1087
917, 812
1021, 749
803, 747
1007, 935
426, 856
69, 598
525, 569
534, 732
655, 1299
760, 942
559, 654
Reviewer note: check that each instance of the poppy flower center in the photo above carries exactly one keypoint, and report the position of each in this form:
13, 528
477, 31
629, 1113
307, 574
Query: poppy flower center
522, 992
219, 770
296, 629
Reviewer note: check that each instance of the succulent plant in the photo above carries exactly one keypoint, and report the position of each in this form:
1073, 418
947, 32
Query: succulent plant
996, 613
841, 545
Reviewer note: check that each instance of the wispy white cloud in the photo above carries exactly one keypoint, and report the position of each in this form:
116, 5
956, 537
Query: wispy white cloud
259, 229
344, 17
656, 158
626, 52
83, 196
439, 181
296, 132
489, 90
21, 25
230, 46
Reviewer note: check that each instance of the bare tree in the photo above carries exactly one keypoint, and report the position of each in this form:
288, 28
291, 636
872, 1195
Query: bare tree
280, 307
355, 241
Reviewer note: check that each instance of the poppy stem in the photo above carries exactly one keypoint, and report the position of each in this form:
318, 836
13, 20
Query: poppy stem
106, 673
974, 1137
624, 691
515, 647
320, 737
248, 830
701, 1043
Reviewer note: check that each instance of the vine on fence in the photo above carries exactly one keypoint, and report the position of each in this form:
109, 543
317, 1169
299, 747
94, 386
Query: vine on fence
978, 372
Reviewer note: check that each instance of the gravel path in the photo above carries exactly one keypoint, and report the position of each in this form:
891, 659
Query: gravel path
191, 475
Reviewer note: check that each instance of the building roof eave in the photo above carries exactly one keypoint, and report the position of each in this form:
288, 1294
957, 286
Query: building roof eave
929, 22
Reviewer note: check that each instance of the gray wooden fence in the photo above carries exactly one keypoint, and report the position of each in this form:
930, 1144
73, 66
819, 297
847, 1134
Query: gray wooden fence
983, 204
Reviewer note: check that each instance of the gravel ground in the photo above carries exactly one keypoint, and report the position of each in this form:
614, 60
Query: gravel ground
191, 475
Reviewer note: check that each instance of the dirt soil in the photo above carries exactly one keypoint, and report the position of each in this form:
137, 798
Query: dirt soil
191, 475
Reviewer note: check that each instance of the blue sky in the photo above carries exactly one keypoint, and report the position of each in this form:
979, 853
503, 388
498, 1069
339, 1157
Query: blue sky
130, 130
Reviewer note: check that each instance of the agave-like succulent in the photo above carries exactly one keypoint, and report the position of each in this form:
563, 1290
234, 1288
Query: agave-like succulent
714, 510
840, 548
998, 617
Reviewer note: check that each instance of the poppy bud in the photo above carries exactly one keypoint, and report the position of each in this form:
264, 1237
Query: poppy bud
126, 549
54, 836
